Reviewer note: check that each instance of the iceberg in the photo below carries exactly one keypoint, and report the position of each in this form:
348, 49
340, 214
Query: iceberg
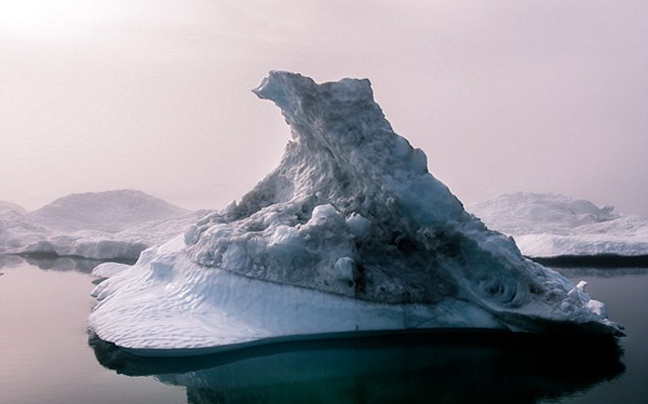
9, 206
109, 211
349, 234
17, 230
112, 225
552, 226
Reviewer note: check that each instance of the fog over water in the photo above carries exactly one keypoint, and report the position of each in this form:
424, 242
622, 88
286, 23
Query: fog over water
545, 96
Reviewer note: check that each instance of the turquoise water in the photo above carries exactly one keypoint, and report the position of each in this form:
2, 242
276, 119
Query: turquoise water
47, 356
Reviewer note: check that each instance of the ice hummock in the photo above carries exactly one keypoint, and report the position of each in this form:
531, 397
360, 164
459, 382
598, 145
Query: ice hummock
552, 225
349, 233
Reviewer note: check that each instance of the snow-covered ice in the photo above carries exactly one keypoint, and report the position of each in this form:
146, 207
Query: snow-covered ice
551, 225
349, 233
108, 269
99, 225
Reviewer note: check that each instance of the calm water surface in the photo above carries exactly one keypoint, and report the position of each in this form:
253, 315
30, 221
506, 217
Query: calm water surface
44, 352
47, 356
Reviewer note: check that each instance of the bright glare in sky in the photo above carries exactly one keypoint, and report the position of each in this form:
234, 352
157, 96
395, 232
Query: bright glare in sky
39, 18
60, 20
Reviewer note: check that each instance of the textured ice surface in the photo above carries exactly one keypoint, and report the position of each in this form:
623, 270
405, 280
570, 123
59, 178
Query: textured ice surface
167, 302
102, 225
550, 225
349, 233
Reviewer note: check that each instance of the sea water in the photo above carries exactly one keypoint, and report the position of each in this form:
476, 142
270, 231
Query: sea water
47, 356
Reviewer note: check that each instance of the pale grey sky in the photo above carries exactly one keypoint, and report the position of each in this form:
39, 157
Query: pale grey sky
503, 96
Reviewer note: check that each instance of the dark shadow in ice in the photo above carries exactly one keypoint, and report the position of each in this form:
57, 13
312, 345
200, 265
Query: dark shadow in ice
447, 366
600, 261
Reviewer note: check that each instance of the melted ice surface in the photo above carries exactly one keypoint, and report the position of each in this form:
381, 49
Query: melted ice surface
350, 232
550, 225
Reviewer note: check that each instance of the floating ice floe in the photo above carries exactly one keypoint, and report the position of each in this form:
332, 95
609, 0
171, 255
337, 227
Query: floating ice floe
350, 233
550, 225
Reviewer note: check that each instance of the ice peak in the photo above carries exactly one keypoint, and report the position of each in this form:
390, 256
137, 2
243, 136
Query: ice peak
312, 109
299, 95
348, 153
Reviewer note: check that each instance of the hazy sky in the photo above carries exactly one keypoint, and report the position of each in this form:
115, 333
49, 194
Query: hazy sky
503, 96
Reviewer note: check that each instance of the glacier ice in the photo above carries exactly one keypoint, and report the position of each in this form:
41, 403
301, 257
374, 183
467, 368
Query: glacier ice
349, 233
552, 225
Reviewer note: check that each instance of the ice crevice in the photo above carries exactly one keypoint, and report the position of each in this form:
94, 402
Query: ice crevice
350, 232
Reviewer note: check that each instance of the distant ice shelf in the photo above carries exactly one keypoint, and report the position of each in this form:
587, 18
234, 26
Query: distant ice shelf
349, 233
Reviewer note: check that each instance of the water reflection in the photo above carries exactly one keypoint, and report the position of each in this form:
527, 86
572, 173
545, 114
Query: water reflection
598, 261
77, 264
10, 261
448, 367
595, 272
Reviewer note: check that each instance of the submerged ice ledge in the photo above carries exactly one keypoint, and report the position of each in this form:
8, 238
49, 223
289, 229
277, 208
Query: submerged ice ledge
349, 233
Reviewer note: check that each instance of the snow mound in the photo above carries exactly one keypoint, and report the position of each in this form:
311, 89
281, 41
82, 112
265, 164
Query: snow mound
110, 211
349, 233
550, 225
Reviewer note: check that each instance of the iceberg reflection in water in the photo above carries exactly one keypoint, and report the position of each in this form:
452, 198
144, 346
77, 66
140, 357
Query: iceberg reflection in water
446, 366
